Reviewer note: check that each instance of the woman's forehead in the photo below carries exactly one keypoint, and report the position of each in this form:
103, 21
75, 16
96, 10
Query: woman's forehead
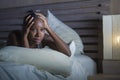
38, 23
38, 20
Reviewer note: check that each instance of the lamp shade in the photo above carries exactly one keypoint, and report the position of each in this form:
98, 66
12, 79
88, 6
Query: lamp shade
111, 37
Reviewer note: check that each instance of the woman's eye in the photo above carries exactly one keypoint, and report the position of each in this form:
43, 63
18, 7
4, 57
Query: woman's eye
33, 30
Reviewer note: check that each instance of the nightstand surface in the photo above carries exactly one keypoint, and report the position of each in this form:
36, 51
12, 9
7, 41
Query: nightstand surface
104, 77
111, 67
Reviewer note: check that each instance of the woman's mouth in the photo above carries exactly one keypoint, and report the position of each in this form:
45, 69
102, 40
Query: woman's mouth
37, 41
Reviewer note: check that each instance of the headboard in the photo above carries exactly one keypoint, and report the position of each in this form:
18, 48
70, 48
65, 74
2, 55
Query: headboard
85, 17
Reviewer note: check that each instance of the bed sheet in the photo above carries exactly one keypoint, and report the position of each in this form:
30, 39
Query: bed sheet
81, 68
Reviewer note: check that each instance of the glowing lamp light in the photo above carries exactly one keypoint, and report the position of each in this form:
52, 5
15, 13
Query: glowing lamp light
111, 37
118, 39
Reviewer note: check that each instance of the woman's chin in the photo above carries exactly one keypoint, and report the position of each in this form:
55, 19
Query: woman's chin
37, 43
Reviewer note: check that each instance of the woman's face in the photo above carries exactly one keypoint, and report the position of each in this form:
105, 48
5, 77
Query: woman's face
37, 32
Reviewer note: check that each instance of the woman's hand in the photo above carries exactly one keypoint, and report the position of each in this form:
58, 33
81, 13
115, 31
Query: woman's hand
43, 18
27, 25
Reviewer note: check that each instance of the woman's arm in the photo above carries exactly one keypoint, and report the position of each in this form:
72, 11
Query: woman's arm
12, 41
14, 38
61, 46
27, 25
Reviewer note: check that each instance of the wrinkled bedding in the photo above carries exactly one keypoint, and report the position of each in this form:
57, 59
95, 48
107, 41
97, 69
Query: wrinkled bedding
81, 68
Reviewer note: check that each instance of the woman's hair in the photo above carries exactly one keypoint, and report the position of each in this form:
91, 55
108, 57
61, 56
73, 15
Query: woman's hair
32, 14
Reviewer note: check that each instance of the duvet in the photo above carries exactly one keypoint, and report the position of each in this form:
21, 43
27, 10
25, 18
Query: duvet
82, 67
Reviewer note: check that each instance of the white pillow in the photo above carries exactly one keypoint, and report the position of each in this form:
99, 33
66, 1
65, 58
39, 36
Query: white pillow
72, 48
65, 32
44, 59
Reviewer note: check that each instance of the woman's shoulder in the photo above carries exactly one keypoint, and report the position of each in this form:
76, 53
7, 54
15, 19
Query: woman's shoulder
14, 37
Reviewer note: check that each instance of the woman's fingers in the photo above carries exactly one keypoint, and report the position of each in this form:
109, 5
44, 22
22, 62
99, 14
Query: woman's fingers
29, 22
28, 17
44, 21
27, 30
30, 25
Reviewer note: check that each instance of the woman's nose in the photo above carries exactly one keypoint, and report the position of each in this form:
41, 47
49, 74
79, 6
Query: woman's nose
38, 34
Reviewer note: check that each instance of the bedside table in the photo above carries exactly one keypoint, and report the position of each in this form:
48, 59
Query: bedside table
111, 71
104, 77
111, 67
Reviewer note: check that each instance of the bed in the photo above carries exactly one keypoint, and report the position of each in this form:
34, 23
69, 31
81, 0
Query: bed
85, 17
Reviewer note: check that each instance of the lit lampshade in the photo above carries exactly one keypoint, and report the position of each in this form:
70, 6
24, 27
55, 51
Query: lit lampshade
118, 39
111, 37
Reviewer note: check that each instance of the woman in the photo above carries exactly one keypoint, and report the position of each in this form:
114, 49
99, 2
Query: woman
37, 33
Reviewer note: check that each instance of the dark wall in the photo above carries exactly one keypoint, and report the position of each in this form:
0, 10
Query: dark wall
18, 3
